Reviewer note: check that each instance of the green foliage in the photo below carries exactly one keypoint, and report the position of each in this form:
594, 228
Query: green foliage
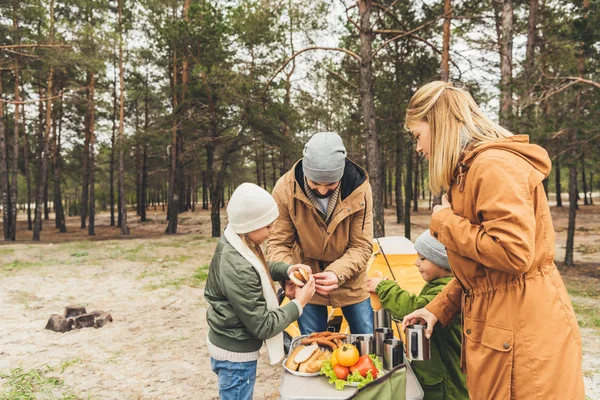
35, 384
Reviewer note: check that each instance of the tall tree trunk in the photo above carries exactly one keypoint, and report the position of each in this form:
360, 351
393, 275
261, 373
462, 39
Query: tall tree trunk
408, 191
399, 200
14, 199
531, 38
573, 192
368, 109
273, 168
59, 213
112, 149
257, 162
384, 177
123, 205
173, 210
43, 160
145, 153
583, 181
591, 188
557, 181
504, 28
390, 179
415, 195
85, 169
46, 207
4, 182
204, 192
26, 151
445, 75
92, 167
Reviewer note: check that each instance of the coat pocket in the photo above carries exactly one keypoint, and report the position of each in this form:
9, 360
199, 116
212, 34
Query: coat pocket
489, 359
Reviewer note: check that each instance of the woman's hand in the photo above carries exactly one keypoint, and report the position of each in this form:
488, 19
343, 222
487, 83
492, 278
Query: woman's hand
296, 267
290, 289
372, 284
305, 293
440, 207
418, 316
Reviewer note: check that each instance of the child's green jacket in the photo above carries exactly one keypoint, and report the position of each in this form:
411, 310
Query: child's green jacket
440, 377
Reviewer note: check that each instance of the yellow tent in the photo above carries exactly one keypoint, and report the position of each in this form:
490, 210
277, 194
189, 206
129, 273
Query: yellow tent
396, 251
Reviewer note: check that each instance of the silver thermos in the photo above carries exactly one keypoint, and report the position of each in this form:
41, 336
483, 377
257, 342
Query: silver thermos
417, 344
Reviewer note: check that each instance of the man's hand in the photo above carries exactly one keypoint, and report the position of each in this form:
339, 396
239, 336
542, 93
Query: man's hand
326, 282
440, 207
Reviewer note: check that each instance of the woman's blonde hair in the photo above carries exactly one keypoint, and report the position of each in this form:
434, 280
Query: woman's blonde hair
454, 121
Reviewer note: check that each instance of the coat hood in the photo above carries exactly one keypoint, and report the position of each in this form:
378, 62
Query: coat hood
519, 145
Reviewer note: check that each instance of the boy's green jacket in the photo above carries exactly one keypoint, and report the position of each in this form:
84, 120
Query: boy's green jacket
238, 316
440, 377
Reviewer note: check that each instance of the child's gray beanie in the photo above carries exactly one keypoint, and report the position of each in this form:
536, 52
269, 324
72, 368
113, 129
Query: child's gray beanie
430, 248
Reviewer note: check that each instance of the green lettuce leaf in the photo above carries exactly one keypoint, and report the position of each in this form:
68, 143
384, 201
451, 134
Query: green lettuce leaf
355, 377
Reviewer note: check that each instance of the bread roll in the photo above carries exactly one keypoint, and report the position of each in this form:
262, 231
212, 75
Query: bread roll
304, 366
290, 364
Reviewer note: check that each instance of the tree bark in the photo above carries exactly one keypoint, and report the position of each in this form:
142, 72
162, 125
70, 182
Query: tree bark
4, 182
398, 188
415, 195
26, 151
531, 38
204, 192
445, 75
591, 188
112, 149
14, 199
368, 109
59, 213
173, 207
85, 170
123, 201
557, 181
43, 160
583, 181
92, 168
504, 23
408, 191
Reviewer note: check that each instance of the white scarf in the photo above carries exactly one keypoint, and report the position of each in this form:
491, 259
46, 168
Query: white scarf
274, 344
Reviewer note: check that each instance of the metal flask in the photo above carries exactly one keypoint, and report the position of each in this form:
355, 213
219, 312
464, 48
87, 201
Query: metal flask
417, 344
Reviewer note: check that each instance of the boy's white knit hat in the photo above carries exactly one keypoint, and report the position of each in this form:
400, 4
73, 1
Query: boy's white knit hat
250, 208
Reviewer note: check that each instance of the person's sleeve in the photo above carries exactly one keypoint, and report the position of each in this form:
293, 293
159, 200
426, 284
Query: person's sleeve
282, 237
447, 303
360, 243
244, 291
279, 270
401, 302
503, 239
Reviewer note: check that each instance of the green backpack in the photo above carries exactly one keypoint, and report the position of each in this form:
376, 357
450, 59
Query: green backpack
389, 386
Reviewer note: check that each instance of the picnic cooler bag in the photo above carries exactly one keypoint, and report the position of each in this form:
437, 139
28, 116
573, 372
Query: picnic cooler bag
391, 386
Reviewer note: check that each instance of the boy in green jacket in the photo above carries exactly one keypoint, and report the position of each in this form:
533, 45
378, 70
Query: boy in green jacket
440, 376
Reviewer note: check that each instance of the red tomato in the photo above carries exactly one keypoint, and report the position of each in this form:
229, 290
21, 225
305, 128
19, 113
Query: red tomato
364, 365
341, 372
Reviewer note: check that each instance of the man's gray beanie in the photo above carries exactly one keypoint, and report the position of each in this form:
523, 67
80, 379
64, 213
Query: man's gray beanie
430, 248
324, 158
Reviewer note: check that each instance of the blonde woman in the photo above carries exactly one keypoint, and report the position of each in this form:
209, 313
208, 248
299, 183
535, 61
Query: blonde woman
520, 335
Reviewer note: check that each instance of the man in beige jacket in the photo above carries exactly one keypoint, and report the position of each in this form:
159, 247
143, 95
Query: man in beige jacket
326, 221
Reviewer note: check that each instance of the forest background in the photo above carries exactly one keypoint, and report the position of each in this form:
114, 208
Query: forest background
137, 119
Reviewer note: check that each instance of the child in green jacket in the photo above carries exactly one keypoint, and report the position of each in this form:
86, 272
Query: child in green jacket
243, 309
440, 376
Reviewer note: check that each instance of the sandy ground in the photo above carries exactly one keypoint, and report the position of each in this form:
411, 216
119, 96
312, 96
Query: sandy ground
155, 347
